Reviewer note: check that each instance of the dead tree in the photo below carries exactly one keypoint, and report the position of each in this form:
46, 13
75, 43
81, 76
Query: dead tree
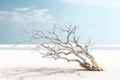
57, 48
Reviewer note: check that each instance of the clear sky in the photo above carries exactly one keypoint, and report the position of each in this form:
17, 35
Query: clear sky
98, 20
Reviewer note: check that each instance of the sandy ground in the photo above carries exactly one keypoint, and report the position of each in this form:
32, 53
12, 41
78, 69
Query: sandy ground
27, 65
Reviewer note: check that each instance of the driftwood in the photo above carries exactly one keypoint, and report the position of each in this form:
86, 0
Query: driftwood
61, 48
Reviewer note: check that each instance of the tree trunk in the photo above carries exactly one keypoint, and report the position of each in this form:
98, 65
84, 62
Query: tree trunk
90, 67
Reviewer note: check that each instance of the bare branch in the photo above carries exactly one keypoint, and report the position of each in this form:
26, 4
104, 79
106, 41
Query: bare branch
60, 48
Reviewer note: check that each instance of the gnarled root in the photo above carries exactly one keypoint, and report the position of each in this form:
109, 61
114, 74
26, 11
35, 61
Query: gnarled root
90, 67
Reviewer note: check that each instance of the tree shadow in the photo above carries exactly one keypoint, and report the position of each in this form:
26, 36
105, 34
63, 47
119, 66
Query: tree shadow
37, 73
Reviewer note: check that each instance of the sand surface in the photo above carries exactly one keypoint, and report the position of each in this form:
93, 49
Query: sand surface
28, 65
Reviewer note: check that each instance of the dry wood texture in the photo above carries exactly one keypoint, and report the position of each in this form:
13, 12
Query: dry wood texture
61, 48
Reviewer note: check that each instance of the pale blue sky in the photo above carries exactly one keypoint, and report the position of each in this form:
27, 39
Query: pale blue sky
98, 20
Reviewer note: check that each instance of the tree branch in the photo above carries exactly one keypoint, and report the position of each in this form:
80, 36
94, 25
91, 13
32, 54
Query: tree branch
70, 46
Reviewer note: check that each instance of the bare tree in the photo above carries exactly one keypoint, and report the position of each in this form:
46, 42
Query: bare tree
61, 49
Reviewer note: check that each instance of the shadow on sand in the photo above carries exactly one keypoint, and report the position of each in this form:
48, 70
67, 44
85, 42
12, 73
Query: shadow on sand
36, 73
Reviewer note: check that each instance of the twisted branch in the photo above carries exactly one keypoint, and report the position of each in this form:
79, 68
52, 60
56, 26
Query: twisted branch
70, 46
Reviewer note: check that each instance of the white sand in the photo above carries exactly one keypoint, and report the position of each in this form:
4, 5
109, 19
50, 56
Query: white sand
26, 65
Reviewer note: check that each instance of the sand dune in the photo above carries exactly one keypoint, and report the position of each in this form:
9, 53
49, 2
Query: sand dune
28, 65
